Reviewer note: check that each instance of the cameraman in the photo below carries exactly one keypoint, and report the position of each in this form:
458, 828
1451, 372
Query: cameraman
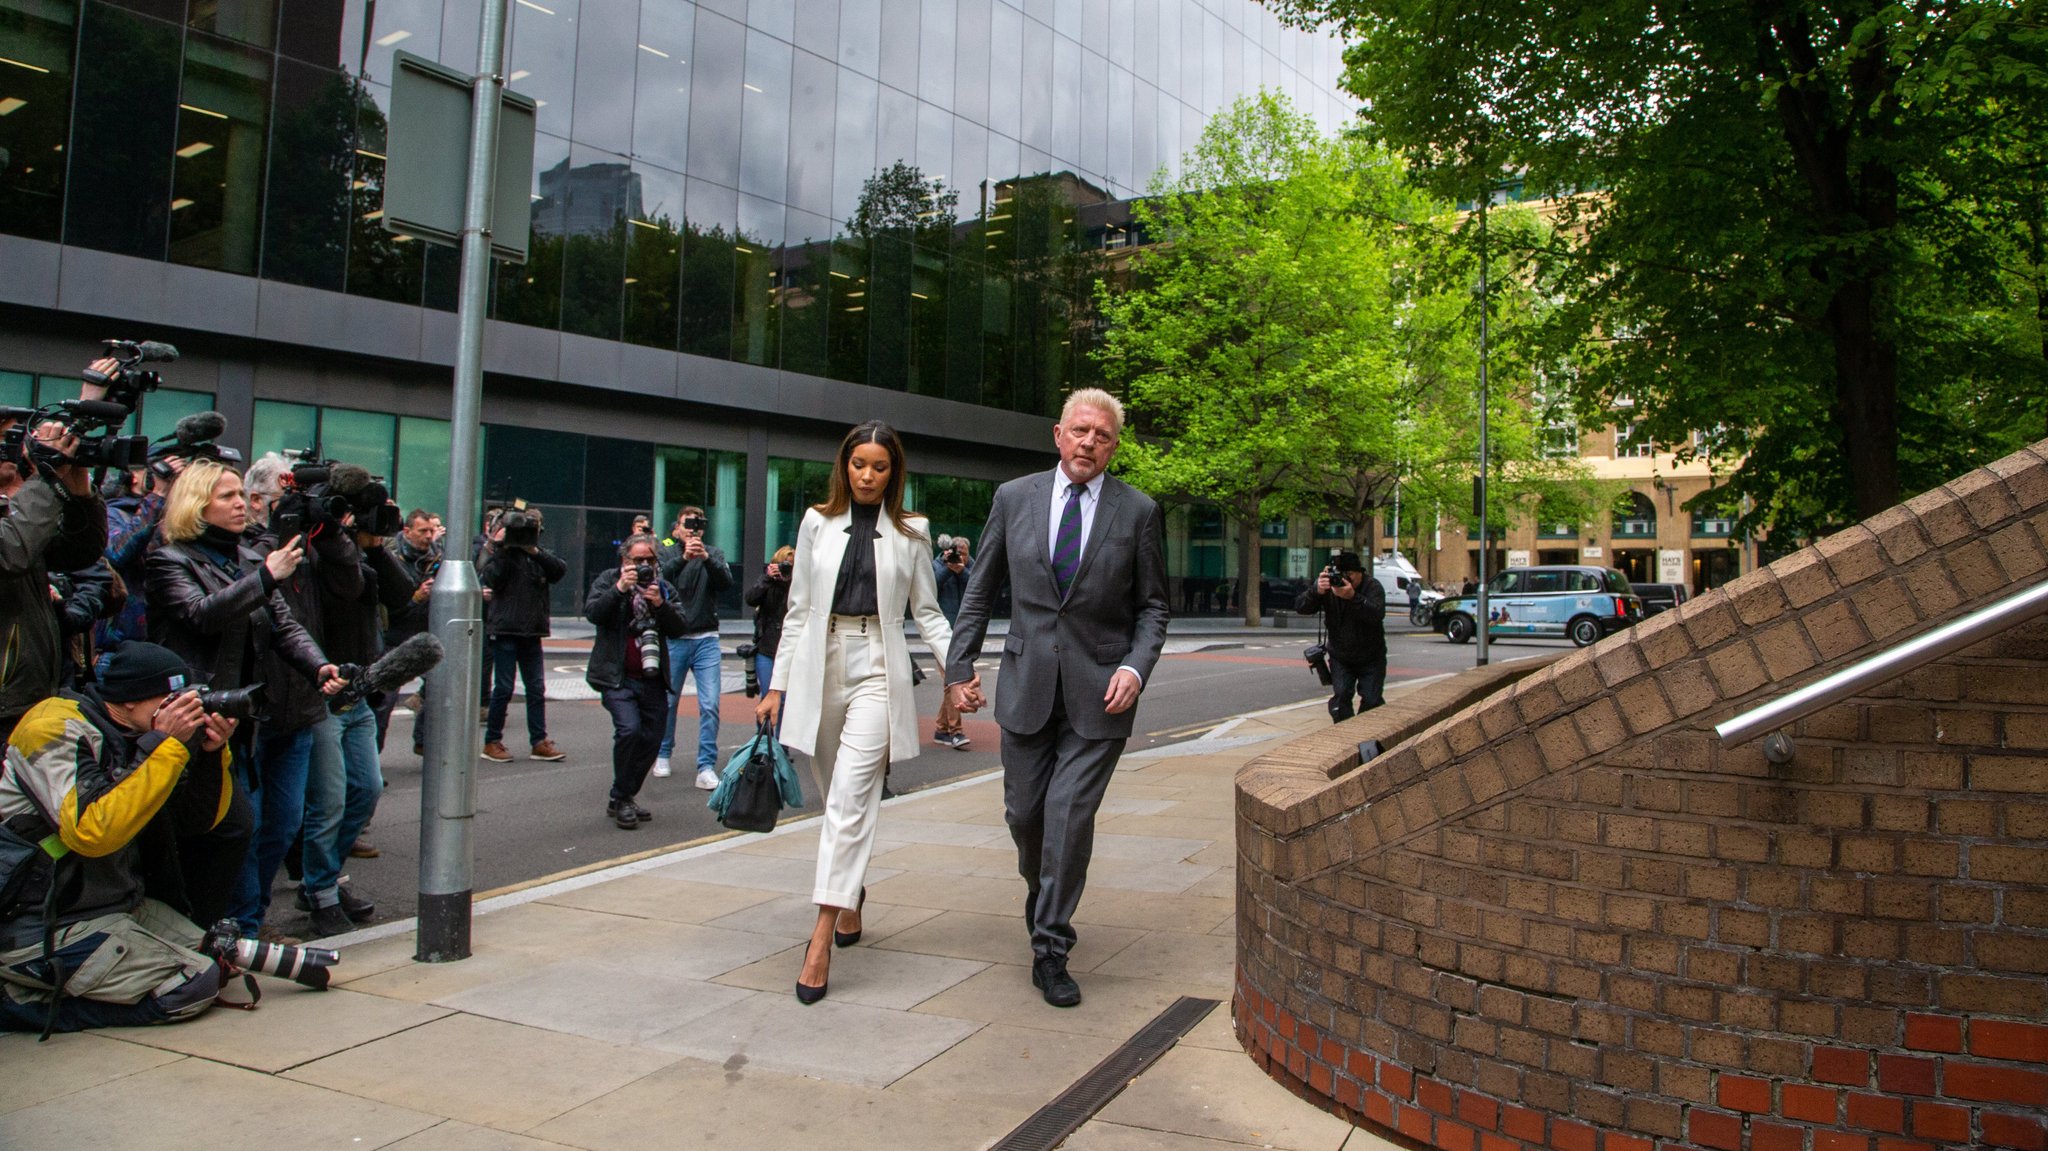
949, 571
699, 574
419, 549
769, 597
137, 752
1354, 609
50, 520
634, 610
516, 573
132, 517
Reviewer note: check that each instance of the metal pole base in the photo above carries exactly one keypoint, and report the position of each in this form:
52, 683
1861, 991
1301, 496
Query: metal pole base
444, 928
448, 777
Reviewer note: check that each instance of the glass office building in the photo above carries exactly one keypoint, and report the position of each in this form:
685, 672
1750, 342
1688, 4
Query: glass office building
755, 222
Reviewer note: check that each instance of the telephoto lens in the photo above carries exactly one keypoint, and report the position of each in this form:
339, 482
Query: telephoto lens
650, 650
306, 966
241, 704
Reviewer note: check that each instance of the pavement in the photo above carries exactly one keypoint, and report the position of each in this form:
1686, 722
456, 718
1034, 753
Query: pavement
649, 1004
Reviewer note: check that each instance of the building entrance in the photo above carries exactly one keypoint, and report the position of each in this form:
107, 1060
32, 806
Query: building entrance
1638, 564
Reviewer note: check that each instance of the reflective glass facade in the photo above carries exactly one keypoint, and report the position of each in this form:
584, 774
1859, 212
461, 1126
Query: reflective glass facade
911, 194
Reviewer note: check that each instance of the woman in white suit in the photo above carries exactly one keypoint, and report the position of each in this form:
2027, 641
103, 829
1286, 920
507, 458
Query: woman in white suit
842, 672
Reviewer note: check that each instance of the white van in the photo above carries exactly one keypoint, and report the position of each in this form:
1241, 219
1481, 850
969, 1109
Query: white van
1394, 572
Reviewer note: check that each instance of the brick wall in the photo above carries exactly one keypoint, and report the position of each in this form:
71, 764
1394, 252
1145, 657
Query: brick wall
1565, 916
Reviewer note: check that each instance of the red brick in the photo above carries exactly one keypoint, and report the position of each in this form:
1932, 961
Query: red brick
1397, 1081
1903, 1145
1522, 1123
1434, 1096
1836, 1065
1715, 1129
1934, 1033
1359, 1064
1414, 1122
2025, 1042
1905, 1075
1319, 1078
1941, 1120
1995, 1084
1478, 1110
1618, 1142
1569, 1136
1839, 1141
2023, 1131
1776, 1137
1379, 1109
1877, 1113
1455, 1137
1810, 1104
1497, 1143
1740, 1093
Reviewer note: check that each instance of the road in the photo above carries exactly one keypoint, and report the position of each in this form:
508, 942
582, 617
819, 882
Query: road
541, 819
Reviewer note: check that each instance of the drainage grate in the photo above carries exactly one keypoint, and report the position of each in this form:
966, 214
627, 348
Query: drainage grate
1052, 1123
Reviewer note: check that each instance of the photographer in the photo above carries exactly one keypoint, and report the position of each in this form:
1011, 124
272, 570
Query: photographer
516, 573
634, 610
699, 574
949, 569
1354, 609
418, 548
83, 599
220, 608
132, 516
50, 520
769, 597
138, 752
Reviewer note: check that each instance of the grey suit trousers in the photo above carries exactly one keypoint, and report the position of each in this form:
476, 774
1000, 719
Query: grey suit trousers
1053, 782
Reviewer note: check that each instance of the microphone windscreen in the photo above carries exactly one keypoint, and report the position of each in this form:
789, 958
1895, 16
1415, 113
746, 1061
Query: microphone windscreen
404, 663
153, 350
348, 479
199, 427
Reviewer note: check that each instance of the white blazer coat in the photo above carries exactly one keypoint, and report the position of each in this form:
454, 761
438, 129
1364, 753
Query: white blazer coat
903, 573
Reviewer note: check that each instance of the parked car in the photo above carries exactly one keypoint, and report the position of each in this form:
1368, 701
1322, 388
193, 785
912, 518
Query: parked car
1658, 597
1582, 604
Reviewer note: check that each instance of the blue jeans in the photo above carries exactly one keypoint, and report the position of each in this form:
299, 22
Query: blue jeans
698, 657
520, 652
276, 777
341, 794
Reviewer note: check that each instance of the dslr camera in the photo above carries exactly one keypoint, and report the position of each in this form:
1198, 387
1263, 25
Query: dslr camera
696, 524
242, 704
305, 966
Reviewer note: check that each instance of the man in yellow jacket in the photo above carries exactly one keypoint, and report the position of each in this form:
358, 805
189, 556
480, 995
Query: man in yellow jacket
86, 773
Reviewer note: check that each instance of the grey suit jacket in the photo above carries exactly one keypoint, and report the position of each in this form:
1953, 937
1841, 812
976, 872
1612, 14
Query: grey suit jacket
1115, 613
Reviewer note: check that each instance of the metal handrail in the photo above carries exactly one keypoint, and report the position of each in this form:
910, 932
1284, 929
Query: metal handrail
1885, 666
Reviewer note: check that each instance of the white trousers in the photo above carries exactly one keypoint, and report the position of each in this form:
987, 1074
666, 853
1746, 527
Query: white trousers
853, 745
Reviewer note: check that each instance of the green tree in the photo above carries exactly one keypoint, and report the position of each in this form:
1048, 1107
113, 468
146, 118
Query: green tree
1805, 221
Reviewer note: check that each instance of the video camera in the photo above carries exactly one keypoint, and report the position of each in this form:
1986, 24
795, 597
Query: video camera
318, 493
95, 423
195, 438
126, 383
522, 528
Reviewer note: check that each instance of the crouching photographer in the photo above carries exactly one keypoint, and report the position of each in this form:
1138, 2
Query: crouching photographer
635, 613
1354, 610
87, 773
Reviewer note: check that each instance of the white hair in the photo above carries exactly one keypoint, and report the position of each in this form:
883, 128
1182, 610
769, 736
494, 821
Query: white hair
1098, 399
266, 476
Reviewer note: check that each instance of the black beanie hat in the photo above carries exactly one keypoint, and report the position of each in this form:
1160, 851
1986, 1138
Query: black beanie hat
138, 670
1347, 562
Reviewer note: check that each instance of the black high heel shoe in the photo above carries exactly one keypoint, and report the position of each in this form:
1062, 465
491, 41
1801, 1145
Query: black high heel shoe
805, 993
849, 938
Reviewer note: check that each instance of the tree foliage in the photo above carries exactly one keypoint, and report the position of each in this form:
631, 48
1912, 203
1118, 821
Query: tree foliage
1810, 229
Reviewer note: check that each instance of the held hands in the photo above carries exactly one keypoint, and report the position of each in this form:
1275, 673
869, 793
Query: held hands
966, 695
769, 710
1123, 692
286, 559
330, 679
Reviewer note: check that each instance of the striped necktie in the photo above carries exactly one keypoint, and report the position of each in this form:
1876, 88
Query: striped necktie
1066, 546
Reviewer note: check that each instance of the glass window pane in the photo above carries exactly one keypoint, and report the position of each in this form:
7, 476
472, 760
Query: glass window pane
544, 60
654, 245
661, 60
1066, 107
853, 153
896, 129
708, 269
927, 319
531, 293
1124, 179
970, 62
414, 25
618, 474
310, 30
775, 17
860, 36
1036, 73
279, 426
17, 390
425, 449
847, 332
803, 282
380, 264
899, 44
312, 160
963, 323
606, 44
32, 132
604, 192
1093, 111
817, 27
935, 143
1005, 73
162, 409
935, 53
813, 98
716, 482
217, 181
753, 306
764, 117
538, 465
123, 134
366, 439
888, 310
717, 74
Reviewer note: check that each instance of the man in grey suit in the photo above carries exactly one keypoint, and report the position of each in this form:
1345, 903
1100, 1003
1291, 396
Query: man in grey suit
1085, 557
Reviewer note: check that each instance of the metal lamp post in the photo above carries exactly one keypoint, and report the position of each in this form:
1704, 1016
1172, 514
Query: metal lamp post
1485, 402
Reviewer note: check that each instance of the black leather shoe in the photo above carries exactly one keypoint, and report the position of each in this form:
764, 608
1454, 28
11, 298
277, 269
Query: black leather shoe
1049, 974
358, 909
805, 993
331, 920
849, 938
623, 813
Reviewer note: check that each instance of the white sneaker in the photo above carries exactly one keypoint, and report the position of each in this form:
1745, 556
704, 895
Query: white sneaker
707, 779
661, 768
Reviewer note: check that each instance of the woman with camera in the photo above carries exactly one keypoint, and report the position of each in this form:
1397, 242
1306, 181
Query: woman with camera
843, 667
769, 597
216, 604
635, 613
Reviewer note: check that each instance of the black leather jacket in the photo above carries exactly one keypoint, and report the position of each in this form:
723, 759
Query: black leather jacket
519, 582
612, 611
1358, 627
219, 612
770, 600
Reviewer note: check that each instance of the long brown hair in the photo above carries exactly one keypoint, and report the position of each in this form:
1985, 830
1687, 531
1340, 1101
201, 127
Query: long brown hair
841, 497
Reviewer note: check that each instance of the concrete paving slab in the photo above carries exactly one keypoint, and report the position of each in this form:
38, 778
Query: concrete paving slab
294, 1025
662, 897
157, 1111
947, 859
36, 1072
687, 950
1169, 826
362, 960
1116, 804
1144, 875
1214, 1032
866, 975
1201, 963
1222, 853
1193, 1091
999, 1065
1150, 848
1001, 939
951, 892
597, 1001
768, 873
483, 1071
790, 917
929, 825
739, 1106
1097, 1135
796, 845
1110, 1008
452, 1135
426, 982
1194, 914
776, 1033
1221, 884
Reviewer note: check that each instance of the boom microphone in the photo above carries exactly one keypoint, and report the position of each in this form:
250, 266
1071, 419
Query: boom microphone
398, 667
199, 428
154, 350
99, 411
348, 480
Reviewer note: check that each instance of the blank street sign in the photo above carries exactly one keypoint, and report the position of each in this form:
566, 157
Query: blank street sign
426, 164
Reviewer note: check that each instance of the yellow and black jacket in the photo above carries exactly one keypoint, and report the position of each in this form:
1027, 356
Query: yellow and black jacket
102, 786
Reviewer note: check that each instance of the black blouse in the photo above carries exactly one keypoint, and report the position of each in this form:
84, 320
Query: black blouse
854, 593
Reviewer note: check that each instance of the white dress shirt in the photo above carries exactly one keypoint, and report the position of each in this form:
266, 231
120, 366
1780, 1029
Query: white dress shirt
1091, 496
